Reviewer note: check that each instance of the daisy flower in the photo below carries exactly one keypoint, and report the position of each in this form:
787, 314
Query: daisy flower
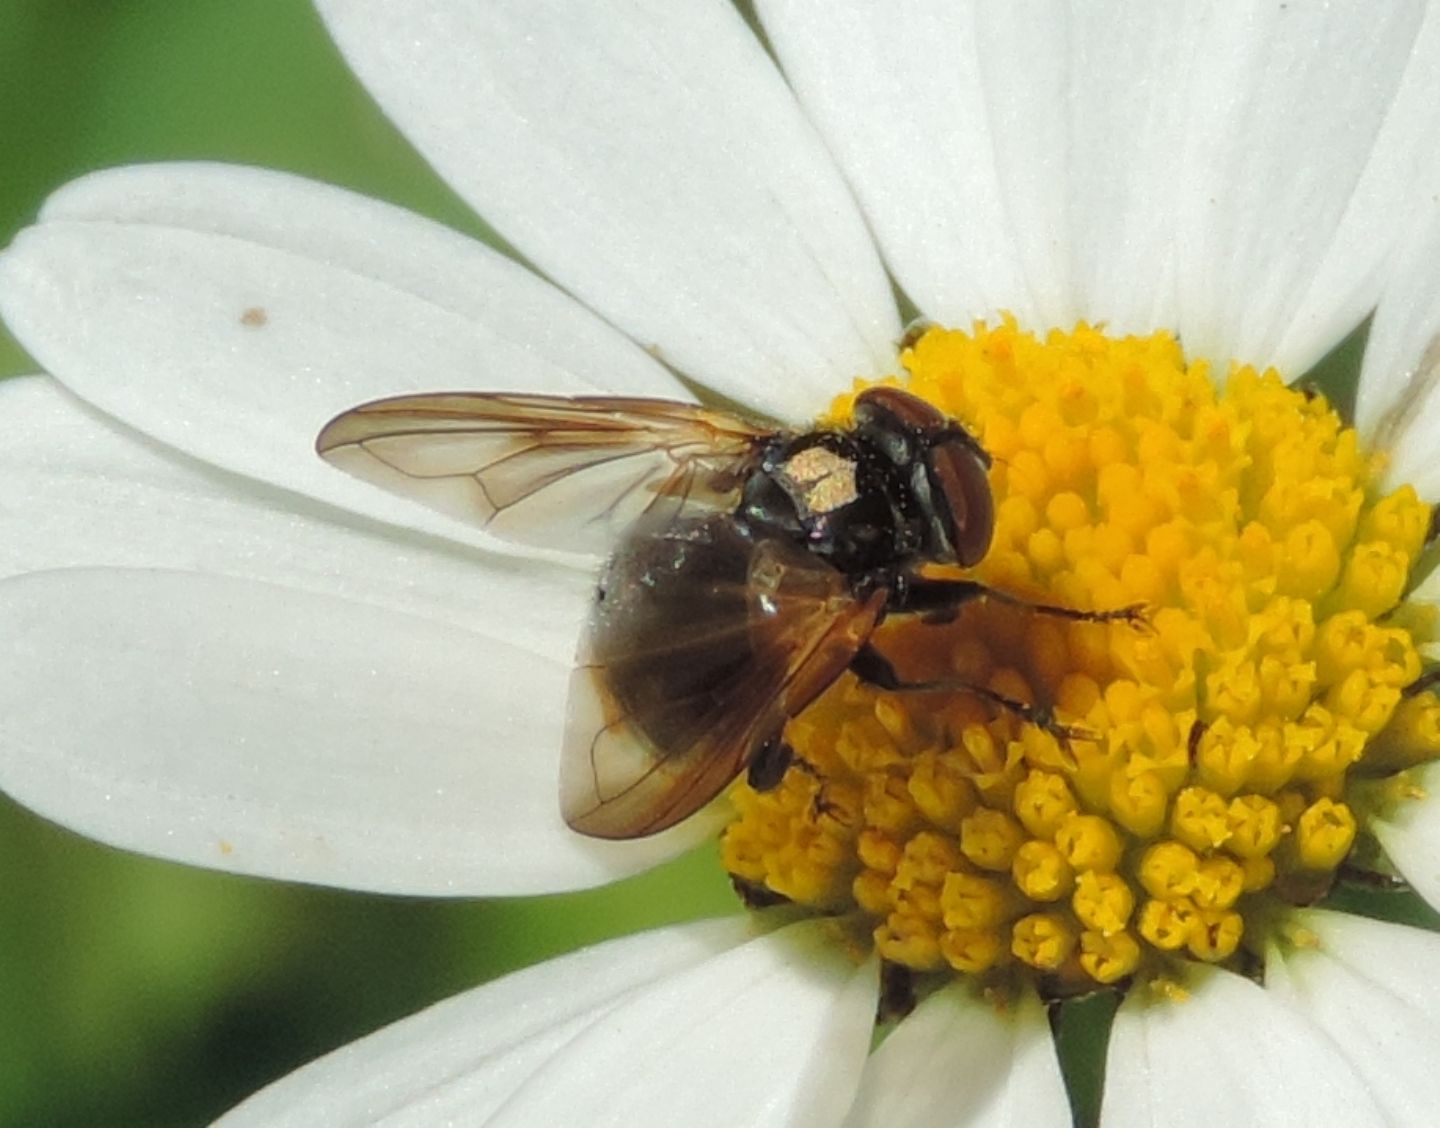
1130, 225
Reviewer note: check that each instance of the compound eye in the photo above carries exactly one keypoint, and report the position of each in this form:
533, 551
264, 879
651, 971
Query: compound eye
962, 484
882, 405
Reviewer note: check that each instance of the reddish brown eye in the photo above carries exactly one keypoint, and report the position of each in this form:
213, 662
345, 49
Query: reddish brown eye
914, 413
959, 472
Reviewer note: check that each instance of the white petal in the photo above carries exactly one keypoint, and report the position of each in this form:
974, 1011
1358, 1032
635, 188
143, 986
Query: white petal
1397, 404
268, 731
1410, 833
1400, 177
897, 93
484, 1042
1368, 985
77, 489
647, 156
1088, 107
1229, 1054
232, 312
1127, 109
1289, 100
641, 1031
957, 1060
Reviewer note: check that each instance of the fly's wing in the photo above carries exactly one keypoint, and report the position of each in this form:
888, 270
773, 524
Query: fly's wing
701, 646
551, 471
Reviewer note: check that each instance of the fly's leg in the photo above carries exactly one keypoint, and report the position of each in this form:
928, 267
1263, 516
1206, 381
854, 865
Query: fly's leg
869, 665
919, 595
770, 763
1422, 684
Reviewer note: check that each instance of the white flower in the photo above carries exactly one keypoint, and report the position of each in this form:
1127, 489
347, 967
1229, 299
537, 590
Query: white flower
222, 652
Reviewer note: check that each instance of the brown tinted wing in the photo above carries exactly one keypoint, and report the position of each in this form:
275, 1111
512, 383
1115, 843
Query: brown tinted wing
703, 645
557, 472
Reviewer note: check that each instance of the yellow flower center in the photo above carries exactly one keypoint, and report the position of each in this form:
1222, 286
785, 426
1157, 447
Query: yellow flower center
1214, 771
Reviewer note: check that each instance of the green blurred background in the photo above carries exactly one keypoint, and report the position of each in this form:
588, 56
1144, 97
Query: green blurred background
132, 991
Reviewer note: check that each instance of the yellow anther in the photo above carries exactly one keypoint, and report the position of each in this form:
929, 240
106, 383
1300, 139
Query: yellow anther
879, 851
1395, 659
1166, 924
1224, 756
1279, 750
928, 858
1108, 445
1324, 834
871, 891
863, 745
1285, 684
1124, 701
1400, 519
1200, 819
1169, 544
1343, 642
1258, 872
1374, 579
1411, 738
922, 902
989, 838
1041, 871
1216, 935
985, 757
1015, 519
971, 951
894, 718
1255, 826
886, 803
1368, 705
1043, 940
1088, 842
1168, 870
1138, 801
1334, 752
939, 792
1234, 691
1066, 511
1037, 423
1218, 883
1312, 562
969, 901
909, 940
1039, 749
1143, 576
1108, 957
1286, 627
1103, 902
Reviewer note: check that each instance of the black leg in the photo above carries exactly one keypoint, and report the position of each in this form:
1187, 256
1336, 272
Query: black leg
1421, 684
769, 764
924, 596
870, 666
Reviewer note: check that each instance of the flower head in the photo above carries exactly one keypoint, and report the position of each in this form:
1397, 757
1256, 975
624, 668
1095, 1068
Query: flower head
1119, 223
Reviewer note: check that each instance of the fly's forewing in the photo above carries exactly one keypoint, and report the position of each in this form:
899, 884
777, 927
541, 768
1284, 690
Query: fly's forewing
550, 471
702, 644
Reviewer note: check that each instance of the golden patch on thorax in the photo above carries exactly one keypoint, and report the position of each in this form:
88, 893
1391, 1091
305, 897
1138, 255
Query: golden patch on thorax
824, 479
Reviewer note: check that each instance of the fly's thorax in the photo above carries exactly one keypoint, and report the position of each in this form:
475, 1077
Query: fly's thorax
830, 494
866, 499
1227, 756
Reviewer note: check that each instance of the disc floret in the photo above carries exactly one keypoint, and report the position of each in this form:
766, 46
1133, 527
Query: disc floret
1227, 752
